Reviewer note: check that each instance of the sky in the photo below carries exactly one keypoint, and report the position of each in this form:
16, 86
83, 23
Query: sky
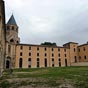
58, 21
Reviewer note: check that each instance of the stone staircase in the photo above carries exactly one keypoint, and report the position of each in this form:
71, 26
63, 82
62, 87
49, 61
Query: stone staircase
80, 64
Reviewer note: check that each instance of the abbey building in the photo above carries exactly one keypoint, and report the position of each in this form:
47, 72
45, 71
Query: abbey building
13, 54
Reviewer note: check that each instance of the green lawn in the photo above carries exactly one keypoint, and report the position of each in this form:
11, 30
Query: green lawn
54, 77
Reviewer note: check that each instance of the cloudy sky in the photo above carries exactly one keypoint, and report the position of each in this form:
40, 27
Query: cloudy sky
59, 21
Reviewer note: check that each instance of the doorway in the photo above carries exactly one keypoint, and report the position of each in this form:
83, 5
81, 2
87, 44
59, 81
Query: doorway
7, 64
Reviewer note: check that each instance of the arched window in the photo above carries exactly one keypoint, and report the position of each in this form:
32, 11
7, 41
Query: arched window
20, 62
11, 40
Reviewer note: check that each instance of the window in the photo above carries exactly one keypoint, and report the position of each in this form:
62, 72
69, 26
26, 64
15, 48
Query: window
75, 58
45, 49
64, 50
65, 55
84, 49
66, 62
79, 50
45, 54
12, 27
59, 54
20, 53
52, 55
37, 48
29, 48
45, 62
58, 49
59, 62
74, 49
17, 41
20, 62
29, 62
38, 60
52, 62
84, 57
29, 54
29, 59
52, 49
21, 47
37, 54
11, 40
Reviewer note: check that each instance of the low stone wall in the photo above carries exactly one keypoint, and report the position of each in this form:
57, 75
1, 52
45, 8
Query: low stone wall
80, 64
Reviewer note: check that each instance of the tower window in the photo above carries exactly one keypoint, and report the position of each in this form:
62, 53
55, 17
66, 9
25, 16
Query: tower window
11, 40
17, 41
8, 27
12, 27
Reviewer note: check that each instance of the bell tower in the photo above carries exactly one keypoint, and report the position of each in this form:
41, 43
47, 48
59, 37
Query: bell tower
2, 35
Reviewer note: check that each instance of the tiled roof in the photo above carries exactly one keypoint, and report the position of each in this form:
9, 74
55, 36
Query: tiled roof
12, 21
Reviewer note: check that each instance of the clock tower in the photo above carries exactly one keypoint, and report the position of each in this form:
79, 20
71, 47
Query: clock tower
2, 35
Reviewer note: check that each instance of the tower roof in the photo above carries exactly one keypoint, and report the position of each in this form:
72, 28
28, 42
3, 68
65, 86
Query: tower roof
12, 21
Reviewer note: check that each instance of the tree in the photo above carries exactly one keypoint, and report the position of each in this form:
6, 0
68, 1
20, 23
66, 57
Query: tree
49, 44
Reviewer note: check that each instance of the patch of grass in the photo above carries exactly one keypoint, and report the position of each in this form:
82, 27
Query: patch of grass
5, 84
77, 75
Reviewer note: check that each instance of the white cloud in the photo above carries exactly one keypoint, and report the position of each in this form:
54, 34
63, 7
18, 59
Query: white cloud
49, 20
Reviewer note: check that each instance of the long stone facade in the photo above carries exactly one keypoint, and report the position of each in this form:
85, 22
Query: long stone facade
13, 54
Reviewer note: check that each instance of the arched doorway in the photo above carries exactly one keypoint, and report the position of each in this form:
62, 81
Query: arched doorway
66, 62
20, 62
7, 64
